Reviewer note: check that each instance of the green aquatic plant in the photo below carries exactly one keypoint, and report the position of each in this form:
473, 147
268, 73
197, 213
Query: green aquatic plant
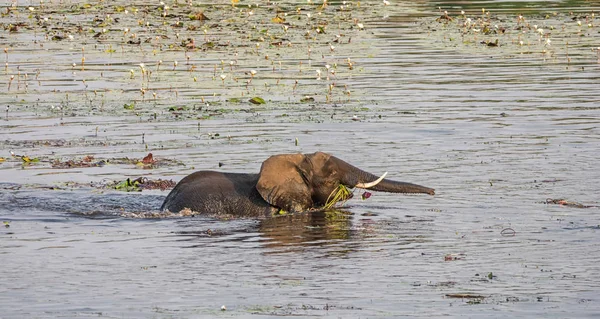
257, 100
340, 194
128, 185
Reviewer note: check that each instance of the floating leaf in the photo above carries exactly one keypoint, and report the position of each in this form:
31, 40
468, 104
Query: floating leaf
198, 16
148, 159
88, 159
128, 186
2, 159
27, 159
307, 99
257, 100
493, 44
129, 106
123, 184
178, 108
278, 19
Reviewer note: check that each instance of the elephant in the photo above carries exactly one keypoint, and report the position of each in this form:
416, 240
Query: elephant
287, 183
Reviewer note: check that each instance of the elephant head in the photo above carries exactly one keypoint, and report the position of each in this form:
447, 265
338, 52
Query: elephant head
299, 182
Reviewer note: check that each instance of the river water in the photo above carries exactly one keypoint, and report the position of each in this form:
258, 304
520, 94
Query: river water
502, 133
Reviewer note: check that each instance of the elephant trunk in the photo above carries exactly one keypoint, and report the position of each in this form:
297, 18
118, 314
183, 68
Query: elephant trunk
356, 177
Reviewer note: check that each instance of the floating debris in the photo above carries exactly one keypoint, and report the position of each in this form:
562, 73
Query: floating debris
148, 162
465, 295
453, 257
564, 202
85, 162
508, 232
143, 183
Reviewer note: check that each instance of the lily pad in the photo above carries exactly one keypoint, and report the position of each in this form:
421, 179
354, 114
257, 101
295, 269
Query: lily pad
307, 99
257, 100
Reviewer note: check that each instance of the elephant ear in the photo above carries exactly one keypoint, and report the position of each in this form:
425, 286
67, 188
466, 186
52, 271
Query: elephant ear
284, 182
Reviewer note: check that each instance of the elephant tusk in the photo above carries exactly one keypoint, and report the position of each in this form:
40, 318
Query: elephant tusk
371, 184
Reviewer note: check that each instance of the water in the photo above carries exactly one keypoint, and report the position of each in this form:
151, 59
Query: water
496, 131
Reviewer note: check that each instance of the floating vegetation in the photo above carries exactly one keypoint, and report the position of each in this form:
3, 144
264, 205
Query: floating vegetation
130, 58
465, 295
142, 183
564, 202
257, 100
557, 36
88, 161
160, 214
147, 162
28, 160
453, 257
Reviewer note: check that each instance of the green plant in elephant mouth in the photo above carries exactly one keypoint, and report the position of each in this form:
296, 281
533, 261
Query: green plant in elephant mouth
286, 183
341, 194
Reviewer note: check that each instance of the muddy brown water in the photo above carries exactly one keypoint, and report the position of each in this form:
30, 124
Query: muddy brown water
495, 130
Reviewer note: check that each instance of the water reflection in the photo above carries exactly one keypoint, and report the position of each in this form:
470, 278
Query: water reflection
309, 229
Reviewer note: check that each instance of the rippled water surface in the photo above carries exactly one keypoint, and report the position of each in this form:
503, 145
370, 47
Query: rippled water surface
502, 133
